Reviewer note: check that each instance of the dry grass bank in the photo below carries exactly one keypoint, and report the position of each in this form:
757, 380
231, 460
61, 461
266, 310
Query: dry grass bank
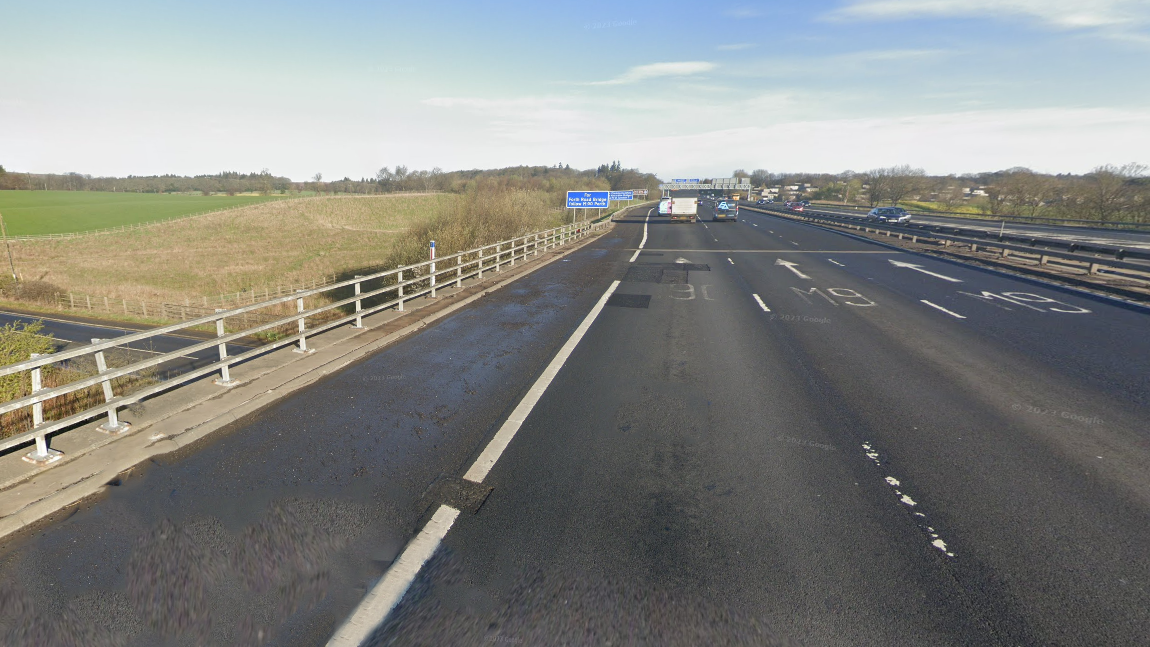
263, 245
278, 243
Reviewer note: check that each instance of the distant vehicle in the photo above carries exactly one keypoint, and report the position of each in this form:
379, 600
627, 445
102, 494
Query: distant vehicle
684, 209
664, 206
763, 201
806, 203
797, 206
896, 215
725, 211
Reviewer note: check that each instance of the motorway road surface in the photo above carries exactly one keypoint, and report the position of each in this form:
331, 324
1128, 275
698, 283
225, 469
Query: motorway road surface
771, 434
71, 334
1128, 238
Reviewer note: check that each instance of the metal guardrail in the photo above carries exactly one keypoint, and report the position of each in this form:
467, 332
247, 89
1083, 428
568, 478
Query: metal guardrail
401, 284
1108, 225
1026, 245
957, 232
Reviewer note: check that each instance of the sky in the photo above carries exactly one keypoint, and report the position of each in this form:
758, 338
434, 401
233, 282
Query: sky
680, 89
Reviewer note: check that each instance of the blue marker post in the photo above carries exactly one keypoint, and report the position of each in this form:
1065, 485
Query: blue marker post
433, 269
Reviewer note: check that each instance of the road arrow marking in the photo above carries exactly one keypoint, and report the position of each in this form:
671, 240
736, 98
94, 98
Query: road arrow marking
792, 267
919, 268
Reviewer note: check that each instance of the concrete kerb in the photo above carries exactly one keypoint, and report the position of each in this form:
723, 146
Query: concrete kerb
183, 417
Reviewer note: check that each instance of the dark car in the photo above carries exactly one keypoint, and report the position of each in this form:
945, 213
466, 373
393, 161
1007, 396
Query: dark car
895, 215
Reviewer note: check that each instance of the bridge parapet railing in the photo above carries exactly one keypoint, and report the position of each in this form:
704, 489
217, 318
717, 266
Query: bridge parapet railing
344, 302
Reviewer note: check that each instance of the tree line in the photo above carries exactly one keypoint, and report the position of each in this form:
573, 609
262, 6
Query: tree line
552, 179
1107, 193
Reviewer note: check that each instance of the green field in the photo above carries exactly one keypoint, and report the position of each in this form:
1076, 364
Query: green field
57, 212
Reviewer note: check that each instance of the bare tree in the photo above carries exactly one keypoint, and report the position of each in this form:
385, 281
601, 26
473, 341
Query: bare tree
1110, 190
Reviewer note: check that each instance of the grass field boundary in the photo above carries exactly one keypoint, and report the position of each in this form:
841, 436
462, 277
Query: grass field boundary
134, 226
162, 221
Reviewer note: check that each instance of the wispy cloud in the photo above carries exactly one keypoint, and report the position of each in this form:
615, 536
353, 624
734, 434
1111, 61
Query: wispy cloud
744, 11
659, 70
1115, 16
735, 46
523, 119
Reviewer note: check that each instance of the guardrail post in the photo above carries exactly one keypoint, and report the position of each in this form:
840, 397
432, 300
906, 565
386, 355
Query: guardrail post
42, 455
536, 247
459, 270
513, 252
1095, 267
480, 262
114, 424
358, 305
225, 378
302, 348
399, 282
498, 257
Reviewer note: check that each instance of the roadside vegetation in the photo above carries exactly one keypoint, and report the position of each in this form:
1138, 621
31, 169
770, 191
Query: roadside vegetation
1108, 193
240, 255
17, 343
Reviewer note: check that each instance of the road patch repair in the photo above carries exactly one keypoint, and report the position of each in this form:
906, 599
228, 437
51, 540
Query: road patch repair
182, 416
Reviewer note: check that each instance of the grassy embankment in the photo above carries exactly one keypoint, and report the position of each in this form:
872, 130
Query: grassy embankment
28, 213
279, 243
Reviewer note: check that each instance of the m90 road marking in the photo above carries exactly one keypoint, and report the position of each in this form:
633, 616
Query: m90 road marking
848, 296
1028, 300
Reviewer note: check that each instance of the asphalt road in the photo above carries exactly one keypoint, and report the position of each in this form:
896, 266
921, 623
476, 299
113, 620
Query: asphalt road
1129, 238
70, 334
771, 435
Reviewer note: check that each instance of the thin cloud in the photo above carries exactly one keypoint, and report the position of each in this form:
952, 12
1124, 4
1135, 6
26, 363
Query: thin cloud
659, 70
735, 46
1060, 14
744, 12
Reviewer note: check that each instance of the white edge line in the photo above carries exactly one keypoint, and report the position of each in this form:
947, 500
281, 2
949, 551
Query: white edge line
387, 593
502, 438
953, 314
644, 241
761, 304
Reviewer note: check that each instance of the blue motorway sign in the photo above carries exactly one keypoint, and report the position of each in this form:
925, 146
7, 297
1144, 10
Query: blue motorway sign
694, 181
588, 199
621, 195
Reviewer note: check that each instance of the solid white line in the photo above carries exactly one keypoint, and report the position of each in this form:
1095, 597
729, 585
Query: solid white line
503, 437
953, 314
761, 304
836, 262
644, 241
387, 593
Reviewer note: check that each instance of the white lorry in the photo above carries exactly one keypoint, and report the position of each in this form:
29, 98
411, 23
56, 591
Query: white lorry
684, 209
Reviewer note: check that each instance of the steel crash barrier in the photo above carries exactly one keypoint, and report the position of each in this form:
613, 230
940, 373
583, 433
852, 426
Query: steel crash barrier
396, 287
1006, 244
